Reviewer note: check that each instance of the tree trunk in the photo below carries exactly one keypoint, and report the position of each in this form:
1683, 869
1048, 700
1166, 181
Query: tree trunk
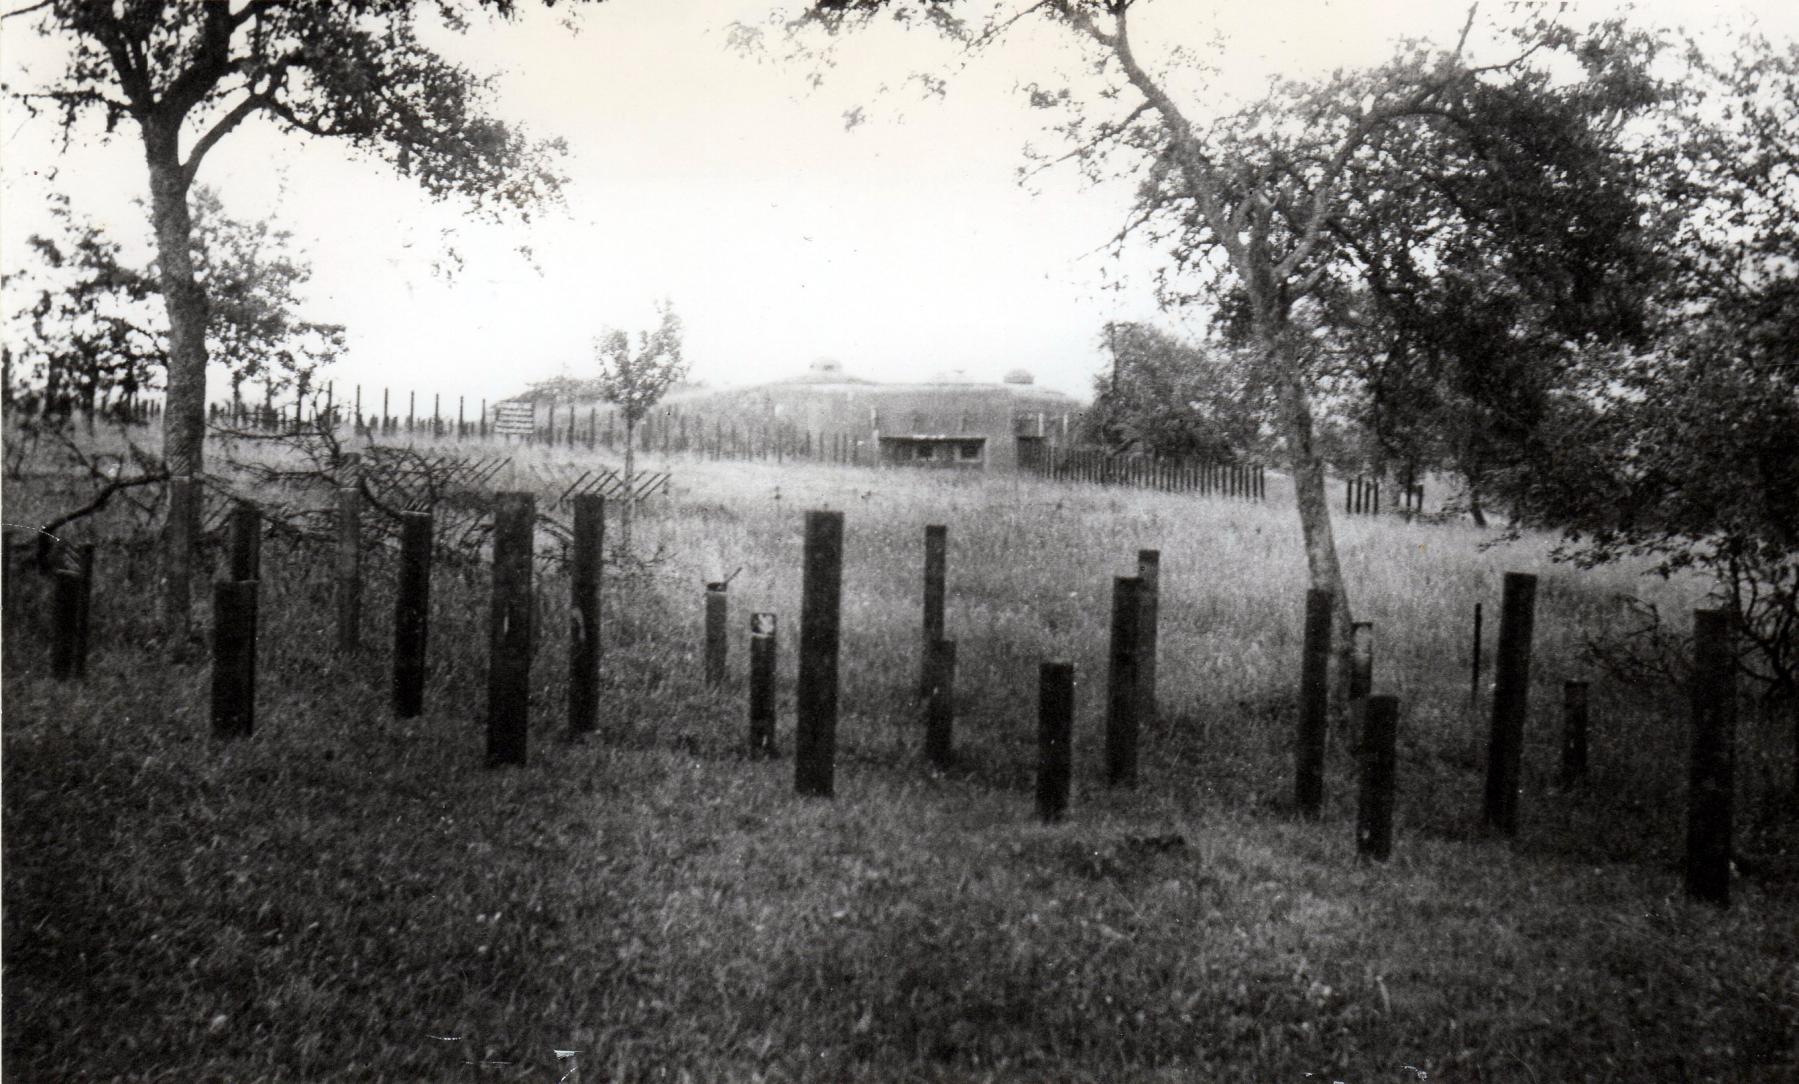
184, 410
1312, 500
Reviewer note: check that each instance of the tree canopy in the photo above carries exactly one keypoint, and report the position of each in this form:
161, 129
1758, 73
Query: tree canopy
188, 75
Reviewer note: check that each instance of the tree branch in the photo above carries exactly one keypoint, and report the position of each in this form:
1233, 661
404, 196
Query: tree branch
257, 99
106, 492
27, 9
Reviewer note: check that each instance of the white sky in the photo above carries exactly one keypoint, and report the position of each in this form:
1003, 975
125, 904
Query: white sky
903, 247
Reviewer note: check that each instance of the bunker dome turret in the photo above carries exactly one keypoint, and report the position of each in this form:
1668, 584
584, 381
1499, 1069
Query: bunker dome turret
950, 420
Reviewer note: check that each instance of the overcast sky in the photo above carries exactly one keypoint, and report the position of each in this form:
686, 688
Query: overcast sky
903, 247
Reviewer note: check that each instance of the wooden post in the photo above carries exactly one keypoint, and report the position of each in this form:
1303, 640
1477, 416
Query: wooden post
11, 560
940, 706
1574, 732
1314, 688
349, 569
65, 616
1511, 702
84, 611
1361, 660
1711, 781
1055, 738
1122, 683
1149, 579
936, 563
763, 653
233, 659
412, 610
821, 605
246, 542
717, 617
584, 614
1379, 757
1474, 665
509, 630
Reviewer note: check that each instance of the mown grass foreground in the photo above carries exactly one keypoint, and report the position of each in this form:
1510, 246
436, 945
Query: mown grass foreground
343, 897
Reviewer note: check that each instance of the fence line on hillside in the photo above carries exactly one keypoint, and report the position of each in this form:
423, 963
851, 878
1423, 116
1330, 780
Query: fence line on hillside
1146, 470
671, 431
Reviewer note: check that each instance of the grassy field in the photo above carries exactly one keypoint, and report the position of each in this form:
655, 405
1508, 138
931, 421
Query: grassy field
345, 897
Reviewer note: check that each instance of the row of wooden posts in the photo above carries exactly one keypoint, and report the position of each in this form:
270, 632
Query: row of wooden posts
1168, 473
1131, 677
131, 411
1131, 699
669, 433
1361, 497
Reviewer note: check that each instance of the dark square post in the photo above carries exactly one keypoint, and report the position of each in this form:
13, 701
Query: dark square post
821, 609
509, 630
1511, 702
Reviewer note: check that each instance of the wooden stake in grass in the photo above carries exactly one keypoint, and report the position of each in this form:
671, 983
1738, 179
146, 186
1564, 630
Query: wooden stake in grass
936, 564
84, 610
821, 610
1149, 579
584, 614
1511, 702
1474, 665
1574, 732
763, 654
1123, 683
1711, 782
11, 562
940, 706
65, 614
1361, 660
412, 609
717, 614
1379, 757
1314, 689
233, 659
246, 542
349, 569
1055, 738
509, 630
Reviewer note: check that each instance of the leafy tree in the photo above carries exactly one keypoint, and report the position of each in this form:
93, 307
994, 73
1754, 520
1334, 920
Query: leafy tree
1253, 206
1467, 291
1685, 450
253, 276
188, 75
635, 380
94, 332
1174, 397
87, 338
